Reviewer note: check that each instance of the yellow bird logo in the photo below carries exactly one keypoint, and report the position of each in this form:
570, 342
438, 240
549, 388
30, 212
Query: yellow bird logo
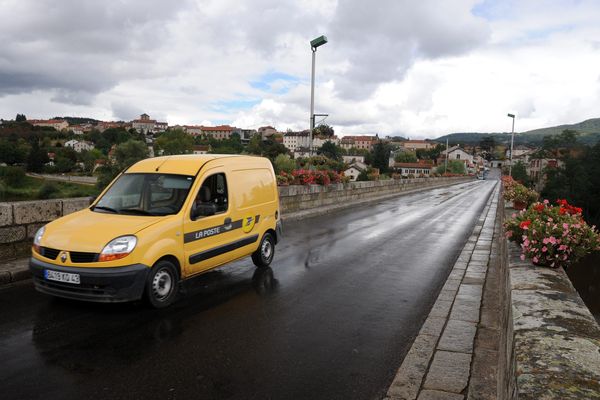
248, 224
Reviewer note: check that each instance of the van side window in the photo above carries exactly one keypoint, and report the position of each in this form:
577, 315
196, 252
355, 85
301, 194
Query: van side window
214, 191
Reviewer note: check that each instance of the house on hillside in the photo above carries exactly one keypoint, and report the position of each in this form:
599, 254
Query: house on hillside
354, 170
421, 168
58, 124
415, 145
79, 146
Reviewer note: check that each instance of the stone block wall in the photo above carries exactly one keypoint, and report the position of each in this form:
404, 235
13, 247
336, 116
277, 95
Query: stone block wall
299, 198
551, 341
20, 220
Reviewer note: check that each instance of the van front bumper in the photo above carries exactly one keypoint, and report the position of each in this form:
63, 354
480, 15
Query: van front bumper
107, 285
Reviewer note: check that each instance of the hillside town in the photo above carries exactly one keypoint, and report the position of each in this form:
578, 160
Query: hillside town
360, 157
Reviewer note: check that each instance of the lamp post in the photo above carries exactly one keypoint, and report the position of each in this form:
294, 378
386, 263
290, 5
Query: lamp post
321, 40
512, 141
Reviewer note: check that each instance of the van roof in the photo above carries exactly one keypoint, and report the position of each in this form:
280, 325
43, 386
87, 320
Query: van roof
185, 164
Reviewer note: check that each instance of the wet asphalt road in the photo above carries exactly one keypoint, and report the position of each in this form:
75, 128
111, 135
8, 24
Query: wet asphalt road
332, 319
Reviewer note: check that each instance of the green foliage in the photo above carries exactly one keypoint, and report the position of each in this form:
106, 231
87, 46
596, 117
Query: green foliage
578, 181
363, 176
381, 156
13, 151
454, 167
48, 190
406, 157
266, 148
233, 145
89, 159
20, 118
65, 159
331, 150
321, 163
12, 176
129, 153
324, 130
37, 157
284, 163
519, 173
174, 142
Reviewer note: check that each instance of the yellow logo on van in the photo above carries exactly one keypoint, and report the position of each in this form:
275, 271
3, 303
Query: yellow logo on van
248, 223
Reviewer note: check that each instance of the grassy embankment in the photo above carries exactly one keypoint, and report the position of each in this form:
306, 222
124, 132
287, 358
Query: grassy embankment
29, 188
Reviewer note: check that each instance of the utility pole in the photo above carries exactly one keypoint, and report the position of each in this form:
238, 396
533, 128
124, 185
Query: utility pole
512, 140
446, 159
321, 40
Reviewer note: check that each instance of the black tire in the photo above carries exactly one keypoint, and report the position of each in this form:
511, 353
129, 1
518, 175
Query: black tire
162, 284
263, 256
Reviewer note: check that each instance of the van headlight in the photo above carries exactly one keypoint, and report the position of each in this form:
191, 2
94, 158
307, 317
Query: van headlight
118, 248
38, 238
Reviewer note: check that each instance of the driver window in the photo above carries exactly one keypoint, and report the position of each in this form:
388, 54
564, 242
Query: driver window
214, 191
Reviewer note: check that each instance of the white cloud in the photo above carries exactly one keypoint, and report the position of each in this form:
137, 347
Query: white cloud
420, 69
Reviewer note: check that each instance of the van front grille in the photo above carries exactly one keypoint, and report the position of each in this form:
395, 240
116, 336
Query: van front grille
81, 257
49, 253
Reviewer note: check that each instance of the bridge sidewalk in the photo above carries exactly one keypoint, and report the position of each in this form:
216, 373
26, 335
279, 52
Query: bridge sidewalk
14, 270
455, 355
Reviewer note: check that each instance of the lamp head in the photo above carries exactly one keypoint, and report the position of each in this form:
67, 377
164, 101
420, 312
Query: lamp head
321, 40
511, 115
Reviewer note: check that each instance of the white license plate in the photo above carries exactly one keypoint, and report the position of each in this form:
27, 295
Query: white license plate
61, 277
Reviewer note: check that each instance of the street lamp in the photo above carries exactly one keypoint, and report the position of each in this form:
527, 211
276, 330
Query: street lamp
512, 141
320, 41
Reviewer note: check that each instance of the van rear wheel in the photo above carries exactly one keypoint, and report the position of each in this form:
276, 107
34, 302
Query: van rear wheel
162, 284
263, 256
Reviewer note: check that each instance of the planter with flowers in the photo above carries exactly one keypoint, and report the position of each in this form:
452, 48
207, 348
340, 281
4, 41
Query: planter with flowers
520, 195
552, 235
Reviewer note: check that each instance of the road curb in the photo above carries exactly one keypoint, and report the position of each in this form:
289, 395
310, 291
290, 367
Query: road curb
15, 271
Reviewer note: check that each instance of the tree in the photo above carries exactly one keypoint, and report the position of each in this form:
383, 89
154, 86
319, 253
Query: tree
381, 156
37, 157
454, 167
174, 142
331, 150
519, 173
324, 130
20, 118
283, 162
255, 145
130, 152
89, 159
406, 157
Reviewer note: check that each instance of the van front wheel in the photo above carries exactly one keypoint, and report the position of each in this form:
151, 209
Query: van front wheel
263, 256
162, 284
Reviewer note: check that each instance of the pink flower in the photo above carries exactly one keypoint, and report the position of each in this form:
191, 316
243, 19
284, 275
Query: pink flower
546, 201
522, 257
550, 219
514, 215
535, 259
565, 226
552, 239
544, 249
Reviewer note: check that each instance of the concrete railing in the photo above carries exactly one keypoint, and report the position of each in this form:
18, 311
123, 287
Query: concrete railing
20, 220
298, 198
550, 343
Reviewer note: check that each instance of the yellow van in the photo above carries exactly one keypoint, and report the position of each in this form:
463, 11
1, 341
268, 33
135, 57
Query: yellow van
163, 220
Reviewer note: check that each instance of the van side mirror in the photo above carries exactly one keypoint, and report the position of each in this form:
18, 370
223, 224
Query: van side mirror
203, 210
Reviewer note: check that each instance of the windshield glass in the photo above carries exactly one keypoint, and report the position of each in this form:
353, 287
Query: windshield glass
146, 194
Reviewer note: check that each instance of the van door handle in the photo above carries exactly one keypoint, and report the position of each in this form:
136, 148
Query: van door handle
227, 221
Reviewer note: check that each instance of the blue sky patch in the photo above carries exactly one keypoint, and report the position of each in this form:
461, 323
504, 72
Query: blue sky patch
266, 82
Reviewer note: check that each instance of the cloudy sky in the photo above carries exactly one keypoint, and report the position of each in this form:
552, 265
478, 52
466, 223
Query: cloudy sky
394, 67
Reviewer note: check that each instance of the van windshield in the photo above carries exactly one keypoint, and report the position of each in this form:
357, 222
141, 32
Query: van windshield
145, 194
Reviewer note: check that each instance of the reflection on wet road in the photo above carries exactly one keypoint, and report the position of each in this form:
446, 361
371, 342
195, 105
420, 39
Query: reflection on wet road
333, 318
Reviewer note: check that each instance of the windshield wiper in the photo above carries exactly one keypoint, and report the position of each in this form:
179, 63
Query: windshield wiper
135, 211
105, 208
